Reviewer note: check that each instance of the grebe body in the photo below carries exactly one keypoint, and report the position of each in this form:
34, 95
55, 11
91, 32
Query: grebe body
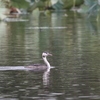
40, 67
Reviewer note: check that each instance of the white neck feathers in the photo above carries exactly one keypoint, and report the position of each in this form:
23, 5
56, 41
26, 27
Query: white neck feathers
46, 62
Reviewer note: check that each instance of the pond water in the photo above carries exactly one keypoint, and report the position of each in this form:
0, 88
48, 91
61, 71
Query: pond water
74, 42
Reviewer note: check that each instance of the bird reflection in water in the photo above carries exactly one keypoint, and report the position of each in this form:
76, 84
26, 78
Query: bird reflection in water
46, 76
45, 68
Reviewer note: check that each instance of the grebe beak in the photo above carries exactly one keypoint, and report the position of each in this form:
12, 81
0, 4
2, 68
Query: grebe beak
49, 54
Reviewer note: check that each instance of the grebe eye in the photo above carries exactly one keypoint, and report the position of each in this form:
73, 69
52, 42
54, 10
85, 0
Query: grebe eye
43, 56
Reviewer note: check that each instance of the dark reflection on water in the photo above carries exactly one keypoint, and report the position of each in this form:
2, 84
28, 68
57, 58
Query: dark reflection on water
76, 53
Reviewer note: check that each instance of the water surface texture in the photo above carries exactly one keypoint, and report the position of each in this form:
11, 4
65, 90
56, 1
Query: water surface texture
74, 42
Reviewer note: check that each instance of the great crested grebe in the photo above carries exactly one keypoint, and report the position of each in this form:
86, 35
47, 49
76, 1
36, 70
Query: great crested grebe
41, 67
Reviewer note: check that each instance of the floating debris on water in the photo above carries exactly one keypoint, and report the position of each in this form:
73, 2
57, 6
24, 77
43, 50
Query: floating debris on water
14, 20
46, 27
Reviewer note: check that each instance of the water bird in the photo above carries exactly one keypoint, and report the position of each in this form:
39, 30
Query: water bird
41, 67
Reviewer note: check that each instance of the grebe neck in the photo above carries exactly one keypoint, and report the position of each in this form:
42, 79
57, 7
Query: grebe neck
46, 62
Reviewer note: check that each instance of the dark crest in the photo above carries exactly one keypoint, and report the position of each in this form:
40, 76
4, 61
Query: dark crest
45, 52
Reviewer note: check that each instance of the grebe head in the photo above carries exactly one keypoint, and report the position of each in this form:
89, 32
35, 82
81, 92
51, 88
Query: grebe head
45, 54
